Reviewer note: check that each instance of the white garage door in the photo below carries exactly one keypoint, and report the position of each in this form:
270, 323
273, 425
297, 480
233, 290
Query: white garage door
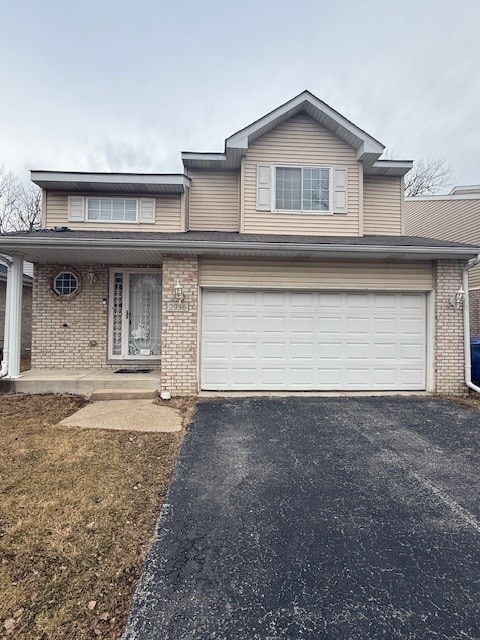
293, 340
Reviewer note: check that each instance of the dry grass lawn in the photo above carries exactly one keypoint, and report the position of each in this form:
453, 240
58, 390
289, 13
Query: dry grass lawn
77, 515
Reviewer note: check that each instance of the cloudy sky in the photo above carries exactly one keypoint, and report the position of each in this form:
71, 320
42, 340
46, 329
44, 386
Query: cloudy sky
125, 86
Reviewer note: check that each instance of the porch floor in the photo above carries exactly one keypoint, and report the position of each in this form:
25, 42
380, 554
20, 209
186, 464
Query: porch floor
80, 381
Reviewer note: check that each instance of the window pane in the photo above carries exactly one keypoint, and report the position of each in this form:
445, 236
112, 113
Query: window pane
112, 209
65, 283
316, 189
288, 188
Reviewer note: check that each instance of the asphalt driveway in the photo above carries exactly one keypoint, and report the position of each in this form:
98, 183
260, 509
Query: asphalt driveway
308, 518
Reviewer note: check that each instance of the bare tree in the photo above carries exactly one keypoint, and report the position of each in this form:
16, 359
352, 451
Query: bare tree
427, 177
20, 203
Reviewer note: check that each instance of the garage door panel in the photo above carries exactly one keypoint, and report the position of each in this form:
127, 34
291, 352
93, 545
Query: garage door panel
273, 324
313, 340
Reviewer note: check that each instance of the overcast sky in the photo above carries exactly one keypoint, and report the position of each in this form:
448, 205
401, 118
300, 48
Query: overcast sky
125, 86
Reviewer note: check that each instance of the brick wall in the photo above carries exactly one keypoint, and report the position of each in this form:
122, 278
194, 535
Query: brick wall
68, 334
449, 360
475, 312
179, 328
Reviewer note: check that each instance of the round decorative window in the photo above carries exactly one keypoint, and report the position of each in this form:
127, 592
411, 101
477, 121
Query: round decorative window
65, 283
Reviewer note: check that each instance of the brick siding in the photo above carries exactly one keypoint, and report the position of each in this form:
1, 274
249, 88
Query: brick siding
449, 343
179, 328
475, 312
69, 334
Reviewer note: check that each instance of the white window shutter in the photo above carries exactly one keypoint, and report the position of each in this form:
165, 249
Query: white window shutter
264, 178
147, 210
76, 208
339, 190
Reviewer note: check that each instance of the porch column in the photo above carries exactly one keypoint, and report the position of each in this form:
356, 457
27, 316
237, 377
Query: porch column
14, 311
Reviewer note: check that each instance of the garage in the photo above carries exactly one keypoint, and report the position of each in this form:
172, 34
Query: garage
312, 340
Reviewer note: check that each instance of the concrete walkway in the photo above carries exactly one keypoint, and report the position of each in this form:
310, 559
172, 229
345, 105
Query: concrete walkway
126, 415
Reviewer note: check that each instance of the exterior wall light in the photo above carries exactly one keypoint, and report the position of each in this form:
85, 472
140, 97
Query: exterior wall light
178, 291
91, 276
458, 299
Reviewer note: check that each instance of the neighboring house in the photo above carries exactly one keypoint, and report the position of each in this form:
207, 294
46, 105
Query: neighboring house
453, 216
278, 264
26, 336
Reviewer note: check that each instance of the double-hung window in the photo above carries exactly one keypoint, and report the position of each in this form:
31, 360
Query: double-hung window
302, 189
112, 209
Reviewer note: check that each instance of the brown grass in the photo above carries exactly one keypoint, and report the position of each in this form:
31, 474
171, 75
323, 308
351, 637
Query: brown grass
77, 515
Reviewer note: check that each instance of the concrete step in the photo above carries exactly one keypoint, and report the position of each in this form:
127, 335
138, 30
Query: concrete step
123, 394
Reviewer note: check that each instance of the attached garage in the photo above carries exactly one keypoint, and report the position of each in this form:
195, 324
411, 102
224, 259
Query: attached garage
313, 340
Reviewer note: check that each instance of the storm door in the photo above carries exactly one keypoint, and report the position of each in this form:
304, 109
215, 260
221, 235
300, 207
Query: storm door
135, 314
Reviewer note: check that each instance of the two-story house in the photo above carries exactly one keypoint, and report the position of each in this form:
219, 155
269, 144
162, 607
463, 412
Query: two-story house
278, 264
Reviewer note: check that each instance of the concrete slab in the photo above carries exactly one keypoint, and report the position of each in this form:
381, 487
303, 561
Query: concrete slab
81, 381
126, 415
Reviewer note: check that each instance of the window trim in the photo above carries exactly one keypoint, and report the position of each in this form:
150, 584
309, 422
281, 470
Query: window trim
273, 207
66, 296
137, 209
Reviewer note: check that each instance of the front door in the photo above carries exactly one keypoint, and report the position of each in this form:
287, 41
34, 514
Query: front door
135, 314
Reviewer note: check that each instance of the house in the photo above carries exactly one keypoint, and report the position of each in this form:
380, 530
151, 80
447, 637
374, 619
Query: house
453, 216
26, 334
280, 263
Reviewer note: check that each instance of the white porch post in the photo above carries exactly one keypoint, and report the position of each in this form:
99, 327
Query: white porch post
14, 306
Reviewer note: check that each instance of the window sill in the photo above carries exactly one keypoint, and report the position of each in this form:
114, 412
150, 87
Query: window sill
302, 213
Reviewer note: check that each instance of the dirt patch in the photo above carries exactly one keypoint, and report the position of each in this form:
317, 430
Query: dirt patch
77, 515
185, 404
472, 400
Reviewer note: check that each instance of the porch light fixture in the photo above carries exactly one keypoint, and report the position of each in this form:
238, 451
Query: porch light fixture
91, 276
458, 299
178, 291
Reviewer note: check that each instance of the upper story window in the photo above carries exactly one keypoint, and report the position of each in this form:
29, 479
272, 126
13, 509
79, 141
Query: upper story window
302, 189
112, 209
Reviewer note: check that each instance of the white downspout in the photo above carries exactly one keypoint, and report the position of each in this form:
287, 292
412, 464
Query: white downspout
466, 326
6, 326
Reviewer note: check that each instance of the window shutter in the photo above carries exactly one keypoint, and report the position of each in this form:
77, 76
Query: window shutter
339, 190
263, 187
76, 208
147, 210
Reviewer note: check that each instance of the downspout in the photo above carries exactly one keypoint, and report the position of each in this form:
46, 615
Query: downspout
6, 327
466, 326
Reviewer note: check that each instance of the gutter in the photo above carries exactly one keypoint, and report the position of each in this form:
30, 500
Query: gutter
200, 246
466, 326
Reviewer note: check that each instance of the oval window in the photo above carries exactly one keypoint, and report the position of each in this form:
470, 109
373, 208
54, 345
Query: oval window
65, 283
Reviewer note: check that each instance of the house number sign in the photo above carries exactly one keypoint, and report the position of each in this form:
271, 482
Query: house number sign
177, 306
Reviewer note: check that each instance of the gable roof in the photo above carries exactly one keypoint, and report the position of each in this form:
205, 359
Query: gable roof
367, 147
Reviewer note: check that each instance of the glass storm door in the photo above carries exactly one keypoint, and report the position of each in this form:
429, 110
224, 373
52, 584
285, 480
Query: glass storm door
135, 315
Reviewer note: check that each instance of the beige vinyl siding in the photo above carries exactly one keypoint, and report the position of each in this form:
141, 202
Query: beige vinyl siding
449, 219
382, 205
214, 200
282, 274
167, 215
474, 277
300, 141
